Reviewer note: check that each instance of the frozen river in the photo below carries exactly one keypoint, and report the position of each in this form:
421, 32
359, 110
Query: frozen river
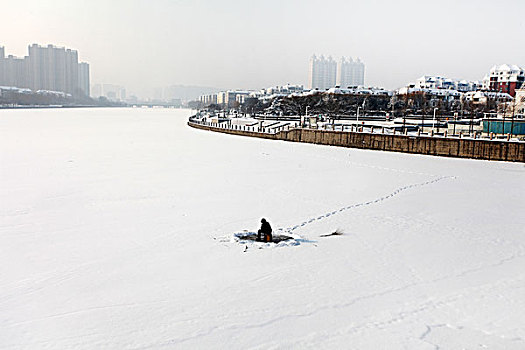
115, 229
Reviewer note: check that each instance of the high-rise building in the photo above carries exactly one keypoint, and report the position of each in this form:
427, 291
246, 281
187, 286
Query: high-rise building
350, 72
322, 73
2, 56
45, 68
325, 73
15, 72
54, 68
83, 78
72, 86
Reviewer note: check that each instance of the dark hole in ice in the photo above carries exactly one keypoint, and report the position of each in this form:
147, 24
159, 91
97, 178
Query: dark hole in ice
275, 238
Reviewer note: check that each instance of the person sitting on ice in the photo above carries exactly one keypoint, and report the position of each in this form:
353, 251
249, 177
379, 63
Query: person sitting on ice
266, 230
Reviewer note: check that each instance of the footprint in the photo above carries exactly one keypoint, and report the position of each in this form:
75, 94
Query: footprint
397, 191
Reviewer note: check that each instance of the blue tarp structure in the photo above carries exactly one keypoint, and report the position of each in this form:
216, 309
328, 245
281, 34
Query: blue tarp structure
498, 126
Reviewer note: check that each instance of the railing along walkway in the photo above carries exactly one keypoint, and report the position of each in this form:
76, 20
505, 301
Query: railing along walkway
276, 127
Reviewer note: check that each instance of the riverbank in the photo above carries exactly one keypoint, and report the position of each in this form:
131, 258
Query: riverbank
444, 146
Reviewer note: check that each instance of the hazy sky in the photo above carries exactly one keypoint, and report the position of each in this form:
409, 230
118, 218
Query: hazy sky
252, 44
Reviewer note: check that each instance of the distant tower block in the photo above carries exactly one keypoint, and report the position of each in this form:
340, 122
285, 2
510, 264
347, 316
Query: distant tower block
350, 72
83, 78
322, 73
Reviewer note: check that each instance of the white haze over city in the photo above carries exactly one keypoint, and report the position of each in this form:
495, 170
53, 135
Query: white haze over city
233, 44
116, 229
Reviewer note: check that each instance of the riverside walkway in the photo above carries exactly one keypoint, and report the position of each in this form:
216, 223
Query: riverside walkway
386, 137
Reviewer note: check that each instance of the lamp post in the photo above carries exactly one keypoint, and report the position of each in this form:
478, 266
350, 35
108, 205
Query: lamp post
434, 120
357, 119
512, 120
306, 116
504, 113
455, 121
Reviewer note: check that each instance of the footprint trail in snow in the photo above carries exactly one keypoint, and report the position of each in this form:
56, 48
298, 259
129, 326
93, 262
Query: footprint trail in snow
378, 200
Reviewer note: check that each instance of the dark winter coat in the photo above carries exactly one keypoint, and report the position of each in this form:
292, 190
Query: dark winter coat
266, 228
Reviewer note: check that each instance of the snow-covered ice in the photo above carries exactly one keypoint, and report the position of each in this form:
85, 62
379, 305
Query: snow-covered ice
117, 232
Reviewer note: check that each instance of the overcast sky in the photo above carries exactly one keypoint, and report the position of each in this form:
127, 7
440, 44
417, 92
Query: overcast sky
252, 44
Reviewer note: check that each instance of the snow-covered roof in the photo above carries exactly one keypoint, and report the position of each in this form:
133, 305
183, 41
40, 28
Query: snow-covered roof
506, 68
490, 94
49, 92
13, 88
360, 90
436, 92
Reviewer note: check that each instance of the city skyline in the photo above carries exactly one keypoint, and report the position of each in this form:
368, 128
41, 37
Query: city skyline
53, 68
229, 44
48, 68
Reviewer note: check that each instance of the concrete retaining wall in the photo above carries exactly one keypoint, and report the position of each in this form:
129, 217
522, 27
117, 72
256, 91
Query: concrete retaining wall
436, 146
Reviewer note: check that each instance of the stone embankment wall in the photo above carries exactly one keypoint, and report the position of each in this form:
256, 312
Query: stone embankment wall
436, 146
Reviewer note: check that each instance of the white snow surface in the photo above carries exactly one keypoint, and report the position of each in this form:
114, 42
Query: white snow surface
117, 229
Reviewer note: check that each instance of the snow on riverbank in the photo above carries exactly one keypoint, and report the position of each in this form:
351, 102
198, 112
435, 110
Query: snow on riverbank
117, 226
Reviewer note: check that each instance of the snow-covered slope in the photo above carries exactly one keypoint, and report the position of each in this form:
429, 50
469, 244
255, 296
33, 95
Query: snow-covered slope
116, 232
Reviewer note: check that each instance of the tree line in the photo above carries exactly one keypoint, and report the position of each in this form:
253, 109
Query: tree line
420, 104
